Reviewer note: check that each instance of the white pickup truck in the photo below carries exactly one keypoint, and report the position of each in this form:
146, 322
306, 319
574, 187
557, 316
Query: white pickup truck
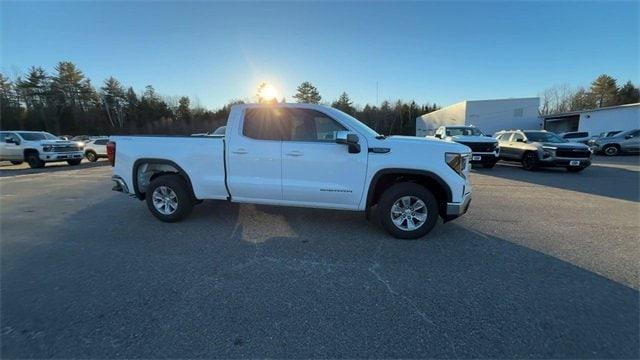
37, 148
298, 155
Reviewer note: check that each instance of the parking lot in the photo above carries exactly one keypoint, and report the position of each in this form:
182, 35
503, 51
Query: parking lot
544, 264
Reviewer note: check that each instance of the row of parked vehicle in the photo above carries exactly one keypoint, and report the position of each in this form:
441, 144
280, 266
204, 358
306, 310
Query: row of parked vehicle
38, 148
540, 148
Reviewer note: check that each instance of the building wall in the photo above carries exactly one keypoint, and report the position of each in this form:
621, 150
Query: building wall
450, 115
619, 118
491, 116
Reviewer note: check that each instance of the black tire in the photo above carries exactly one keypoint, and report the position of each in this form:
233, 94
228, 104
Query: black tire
91, 156
33, 159
181, 190
397, 192
489, 165
74, 162
16, 162
611, 150
529, 160
575, 169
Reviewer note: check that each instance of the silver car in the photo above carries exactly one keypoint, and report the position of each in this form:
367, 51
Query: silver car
625, 142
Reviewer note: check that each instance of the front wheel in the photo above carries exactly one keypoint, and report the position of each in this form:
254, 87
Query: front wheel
489, 165
33, 159
91, 156
408, 210
529, 160
74, 162
611, 150
168, 198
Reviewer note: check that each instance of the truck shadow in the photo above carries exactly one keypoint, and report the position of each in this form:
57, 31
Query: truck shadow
598, 179
296, 282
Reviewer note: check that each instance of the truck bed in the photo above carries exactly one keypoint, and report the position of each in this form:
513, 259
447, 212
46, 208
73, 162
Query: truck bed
200, 158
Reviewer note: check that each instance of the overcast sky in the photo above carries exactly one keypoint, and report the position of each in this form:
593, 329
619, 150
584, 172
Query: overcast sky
427, 51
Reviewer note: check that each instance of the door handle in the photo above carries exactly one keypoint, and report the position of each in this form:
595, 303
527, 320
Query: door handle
294, 153
240, 151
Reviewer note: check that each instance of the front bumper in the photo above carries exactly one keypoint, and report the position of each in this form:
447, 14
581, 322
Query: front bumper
558, 161
61, 156
484, 157
456, 209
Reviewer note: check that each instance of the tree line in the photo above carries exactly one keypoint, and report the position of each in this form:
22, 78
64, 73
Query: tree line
604, 91
67, 103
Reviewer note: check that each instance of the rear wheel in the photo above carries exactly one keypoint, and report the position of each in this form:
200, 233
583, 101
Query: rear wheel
611, 150
168, 198
74, 162
91, 156
33, 159
408, 210
529, 160
16, 162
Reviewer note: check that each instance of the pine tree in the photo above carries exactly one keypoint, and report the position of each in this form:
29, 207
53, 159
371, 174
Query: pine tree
114, 101
628, 94
604, 90
307, 93
183, 113
344, 104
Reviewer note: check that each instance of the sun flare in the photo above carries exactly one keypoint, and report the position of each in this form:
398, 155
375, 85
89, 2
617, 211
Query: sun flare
267, 92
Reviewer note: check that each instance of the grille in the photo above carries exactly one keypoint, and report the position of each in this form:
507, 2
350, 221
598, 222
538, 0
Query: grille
573, 153
65, 148
481, 147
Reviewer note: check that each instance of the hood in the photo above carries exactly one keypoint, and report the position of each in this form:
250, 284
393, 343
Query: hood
446, 146
472, 139
57, 142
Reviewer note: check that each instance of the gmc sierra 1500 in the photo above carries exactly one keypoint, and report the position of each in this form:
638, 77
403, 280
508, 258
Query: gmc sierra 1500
299, 155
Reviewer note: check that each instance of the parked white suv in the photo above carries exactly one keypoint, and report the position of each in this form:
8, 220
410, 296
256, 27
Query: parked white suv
298, 155
95, 149
37, 148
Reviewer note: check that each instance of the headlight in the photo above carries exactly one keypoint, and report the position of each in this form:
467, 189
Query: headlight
47, 148
457, 162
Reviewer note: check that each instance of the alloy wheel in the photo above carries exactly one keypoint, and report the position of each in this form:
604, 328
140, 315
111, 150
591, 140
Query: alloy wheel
408, 213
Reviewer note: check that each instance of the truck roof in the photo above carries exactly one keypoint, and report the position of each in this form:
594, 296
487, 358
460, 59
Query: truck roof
282, 105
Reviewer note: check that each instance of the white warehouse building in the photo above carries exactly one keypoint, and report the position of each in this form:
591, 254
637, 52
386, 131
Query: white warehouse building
489, 116
595, 121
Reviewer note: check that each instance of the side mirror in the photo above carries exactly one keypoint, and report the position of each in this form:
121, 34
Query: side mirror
10, 140
349, 139
628, 136
439, 136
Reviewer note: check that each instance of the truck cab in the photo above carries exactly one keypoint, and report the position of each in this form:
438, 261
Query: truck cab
485, 150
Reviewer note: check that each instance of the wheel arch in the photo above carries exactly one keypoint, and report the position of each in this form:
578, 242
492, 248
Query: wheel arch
27, 151
153, 168
385, 178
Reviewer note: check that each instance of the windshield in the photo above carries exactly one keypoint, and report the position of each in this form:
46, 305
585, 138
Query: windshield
545, 137
464, 131
37, 136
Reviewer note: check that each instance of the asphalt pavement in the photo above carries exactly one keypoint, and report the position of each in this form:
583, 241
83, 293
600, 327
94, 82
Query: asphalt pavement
544, 265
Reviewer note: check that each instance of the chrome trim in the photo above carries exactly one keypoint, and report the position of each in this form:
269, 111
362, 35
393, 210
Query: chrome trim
120, 185
459, 208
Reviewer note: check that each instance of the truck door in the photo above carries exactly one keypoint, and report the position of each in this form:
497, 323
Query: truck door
631, 142
255, 157
316, 171
10, 150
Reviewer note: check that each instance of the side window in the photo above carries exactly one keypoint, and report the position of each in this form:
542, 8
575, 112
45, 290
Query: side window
3, 137
505, 136
311, 125
264, 124
101, 142
576, 135
635, 133
517, 136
